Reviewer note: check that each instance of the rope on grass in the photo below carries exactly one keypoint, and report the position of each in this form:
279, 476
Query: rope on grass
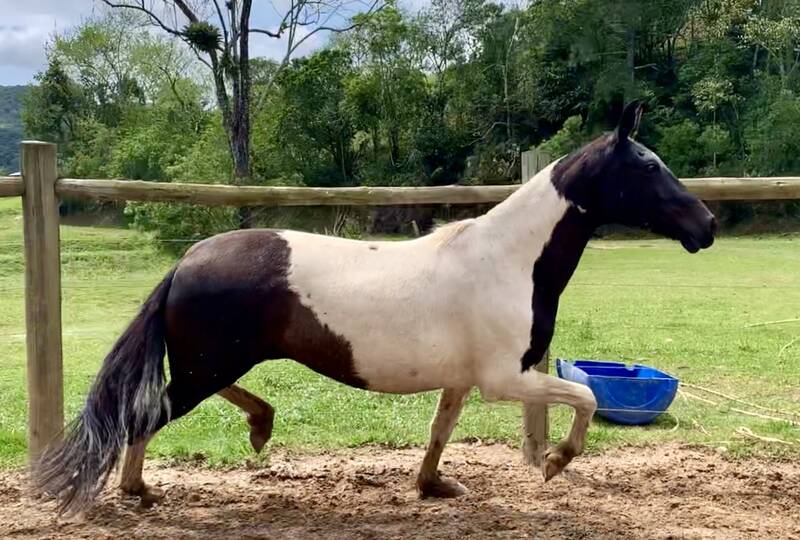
677, 423
747, 413
770, 323
792, 342
698, 398
739, 400
766, 417
700, 427
747, 432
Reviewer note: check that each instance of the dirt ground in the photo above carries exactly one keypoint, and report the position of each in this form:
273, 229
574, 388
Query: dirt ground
663, 492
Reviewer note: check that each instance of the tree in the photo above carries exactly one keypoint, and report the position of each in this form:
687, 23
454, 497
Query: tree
52, 107
709, 95
776, 29
221, 39
388, 92
313, 115
118, 99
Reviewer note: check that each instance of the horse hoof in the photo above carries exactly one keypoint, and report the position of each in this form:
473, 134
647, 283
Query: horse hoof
258, 440
555, 459
260, 431
440, 488
150, 497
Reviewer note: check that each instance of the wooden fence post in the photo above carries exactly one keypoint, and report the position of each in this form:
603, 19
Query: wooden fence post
535, 419
536, 424
42, 296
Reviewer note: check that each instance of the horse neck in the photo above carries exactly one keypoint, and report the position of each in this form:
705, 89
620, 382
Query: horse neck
523, 224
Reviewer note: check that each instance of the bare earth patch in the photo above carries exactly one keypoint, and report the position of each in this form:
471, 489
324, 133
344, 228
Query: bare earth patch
658, 492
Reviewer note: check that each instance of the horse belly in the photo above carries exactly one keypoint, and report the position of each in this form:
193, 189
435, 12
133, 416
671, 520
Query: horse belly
394, 354
407, 367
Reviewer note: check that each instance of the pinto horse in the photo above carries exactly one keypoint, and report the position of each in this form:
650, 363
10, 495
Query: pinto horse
471, 305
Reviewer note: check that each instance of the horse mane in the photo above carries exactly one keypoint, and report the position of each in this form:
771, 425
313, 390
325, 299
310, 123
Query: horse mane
586, 160
444, 235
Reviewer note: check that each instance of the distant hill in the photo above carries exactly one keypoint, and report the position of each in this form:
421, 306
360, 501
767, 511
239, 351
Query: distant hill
10, 126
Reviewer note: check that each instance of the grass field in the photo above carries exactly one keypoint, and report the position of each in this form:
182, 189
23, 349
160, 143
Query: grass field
643, 299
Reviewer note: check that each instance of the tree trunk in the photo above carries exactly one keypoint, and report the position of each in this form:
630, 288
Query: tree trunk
631, 57
394, 146
240, 122
241, 174
342, 160
506, 102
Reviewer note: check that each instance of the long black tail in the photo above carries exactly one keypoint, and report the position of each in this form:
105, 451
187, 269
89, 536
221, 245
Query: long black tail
125, 403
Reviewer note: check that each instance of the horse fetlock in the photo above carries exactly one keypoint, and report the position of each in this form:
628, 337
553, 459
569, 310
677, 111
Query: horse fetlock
555, 459
439, 488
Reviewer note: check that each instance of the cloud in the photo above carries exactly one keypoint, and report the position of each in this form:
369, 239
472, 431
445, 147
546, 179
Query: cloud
26, 27
21, 47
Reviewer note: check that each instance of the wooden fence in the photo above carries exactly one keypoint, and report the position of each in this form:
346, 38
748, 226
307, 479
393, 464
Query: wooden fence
41, 189
533, 161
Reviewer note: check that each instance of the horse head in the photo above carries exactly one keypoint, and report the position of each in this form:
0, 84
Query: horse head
615, 179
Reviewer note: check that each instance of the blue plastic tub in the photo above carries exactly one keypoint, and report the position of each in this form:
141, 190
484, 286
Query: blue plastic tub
626, 394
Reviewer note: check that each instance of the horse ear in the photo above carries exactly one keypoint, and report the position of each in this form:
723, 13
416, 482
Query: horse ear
629, 122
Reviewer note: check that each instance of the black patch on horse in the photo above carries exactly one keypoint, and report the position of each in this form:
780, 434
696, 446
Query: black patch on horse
551, 272
231, 306
559, 258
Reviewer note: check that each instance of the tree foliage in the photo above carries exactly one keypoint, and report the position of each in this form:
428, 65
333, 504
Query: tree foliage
450, 94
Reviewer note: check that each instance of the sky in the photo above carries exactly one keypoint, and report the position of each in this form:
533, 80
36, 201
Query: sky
26, 26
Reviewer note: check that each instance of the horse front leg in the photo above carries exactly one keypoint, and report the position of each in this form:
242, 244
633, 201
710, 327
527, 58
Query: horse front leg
532, 420
534, 388
429, 482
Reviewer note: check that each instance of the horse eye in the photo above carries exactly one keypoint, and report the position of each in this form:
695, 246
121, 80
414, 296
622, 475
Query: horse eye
652, 167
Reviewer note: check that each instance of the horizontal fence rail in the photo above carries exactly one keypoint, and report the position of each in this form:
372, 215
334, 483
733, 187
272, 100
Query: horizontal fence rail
226, 195
744, 189
708, 189
11, 186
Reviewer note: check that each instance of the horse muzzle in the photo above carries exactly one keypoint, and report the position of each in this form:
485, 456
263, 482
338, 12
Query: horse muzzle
702, 237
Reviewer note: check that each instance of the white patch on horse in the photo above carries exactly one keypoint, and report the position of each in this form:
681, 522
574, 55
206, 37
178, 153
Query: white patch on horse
419, 317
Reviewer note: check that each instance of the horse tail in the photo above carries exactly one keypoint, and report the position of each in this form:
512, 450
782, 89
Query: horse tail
125, 403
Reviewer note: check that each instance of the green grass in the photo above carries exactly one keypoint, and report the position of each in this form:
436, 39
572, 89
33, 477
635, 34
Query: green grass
629, 299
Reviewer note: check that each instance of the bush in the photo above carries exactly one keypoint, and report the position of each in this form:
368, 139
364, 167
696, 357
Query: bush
177, 226
774, 138
568, 139
677, 146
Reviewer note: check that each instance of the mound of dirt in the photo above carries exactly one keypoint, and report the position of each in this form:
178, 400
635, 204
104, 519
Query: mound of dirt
664, 492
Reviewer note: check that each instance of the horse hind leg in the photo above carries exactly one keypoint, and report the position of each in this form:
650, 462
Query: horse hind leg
429, 481
184, 393
131, 481
260, 414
